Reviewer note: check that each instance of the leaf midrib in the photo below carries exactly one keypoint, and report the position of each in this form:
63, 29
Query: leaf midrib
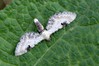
53, 45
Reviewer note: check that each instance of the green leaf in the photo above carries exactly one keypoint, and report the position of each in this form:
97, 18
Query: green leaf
75, 45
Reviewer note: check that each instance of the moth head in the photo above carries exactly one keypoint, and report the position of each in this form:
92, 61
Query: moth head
46, 35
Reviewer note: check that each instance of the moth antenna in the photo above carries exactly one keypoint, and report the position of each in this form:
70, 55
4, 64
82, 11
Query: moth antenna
39, 25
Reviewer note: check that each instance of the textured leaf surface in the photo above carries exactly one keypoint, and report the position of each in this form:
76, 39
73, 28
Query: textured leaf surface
75, 45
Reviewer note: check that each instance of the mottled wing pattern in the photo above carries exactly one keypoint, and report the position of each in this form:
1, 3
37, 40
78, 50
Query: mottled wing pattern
55, 22
27, 40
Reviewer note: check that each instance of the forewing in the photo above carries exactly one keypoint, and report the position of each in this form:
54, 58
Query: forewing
29, 40
55, 22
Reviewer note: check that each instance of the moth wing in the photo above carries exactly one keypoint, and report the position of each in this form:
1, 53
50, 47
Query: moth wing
27, 40
54, 23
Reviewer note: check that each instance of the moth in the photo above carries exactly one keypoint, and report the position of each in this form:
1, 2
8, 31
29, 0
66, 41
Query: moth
55, 22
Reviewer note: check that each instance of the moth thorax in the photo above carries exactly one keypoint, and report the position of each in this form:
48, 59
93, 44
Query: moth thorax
46, 35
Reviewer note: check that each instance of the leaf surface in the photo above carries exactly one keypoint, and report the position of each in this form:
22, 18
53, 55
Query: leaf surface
75, 45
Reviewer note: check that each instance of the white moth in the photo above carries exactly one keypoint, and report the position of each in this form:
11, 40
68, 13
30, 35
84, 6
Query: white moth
56, 22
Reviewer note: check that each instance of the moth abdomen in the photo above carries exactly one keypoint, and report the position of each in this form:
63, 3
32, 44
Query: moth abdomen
39, 25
